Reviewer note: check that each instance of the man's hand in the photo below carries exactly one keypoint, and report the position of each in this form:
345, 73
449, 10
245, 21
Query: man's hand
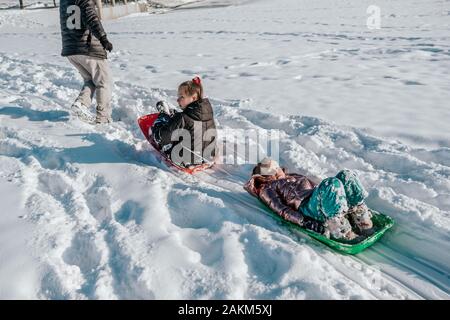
106, 44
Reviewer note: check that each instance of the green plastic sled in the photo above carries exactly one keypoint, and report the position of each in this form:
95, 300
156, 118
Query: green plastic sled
381, 223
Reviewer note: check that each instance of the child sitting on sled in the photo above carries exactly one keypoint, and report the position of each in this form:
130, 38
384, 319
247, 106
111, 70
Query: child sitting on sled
187, 137
329, 208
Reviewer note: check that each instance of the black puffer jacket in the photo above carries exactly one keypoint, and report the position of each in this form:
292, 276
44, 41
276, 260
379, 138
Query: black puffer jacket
83, 40
198, 115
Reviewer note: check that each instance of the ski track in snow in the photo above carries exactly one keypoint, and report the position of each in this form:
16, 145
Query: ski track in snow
112, 222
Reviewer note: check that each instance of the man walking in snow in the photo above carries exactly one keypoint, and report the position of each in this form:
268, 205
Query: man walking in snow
84, 43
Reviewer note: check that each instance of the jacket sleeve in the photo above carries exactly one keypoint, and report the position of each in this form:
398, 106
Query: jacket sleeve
92, 20
270, 195
165, 132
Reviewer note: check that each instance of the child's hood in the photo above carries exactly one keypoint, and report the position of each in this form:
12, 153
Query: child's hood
200, 110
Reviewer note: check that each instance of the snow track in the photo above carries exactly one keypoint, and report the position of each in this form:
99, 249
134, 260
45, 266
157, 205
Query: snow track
391, 256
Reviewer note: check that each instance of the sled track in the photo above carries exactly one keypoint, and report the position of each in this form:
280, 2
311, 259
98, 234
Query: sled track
381, 252
425, 270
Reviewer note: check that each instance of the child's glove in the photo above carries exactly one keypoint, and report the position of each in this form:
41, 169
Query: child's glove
163, 107
314, 225
306, 222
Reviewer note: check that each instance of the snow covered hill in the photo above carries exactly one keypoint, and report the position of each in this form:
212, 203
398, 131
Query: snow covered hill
91, 213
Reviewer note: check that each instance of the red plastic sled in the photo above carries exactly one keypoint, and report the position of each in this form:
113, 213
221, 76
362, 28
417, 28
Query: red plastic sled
145, 123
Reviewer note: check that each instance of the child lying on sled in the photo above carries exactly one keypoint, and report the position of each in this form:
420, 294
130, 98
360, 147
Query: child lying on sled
329, 208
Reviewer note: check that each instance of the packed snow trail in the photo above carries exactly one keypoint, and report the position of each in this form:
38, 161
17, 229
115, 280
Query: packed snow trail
161, 234
424, 264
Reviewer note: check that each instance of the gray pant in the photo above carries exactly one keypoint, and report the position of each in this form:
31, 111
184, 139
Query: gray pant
97, 79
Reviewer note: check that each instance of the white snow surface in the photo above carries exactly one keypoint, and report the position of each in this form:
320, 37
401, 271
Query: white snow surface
89, 212
28, 4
